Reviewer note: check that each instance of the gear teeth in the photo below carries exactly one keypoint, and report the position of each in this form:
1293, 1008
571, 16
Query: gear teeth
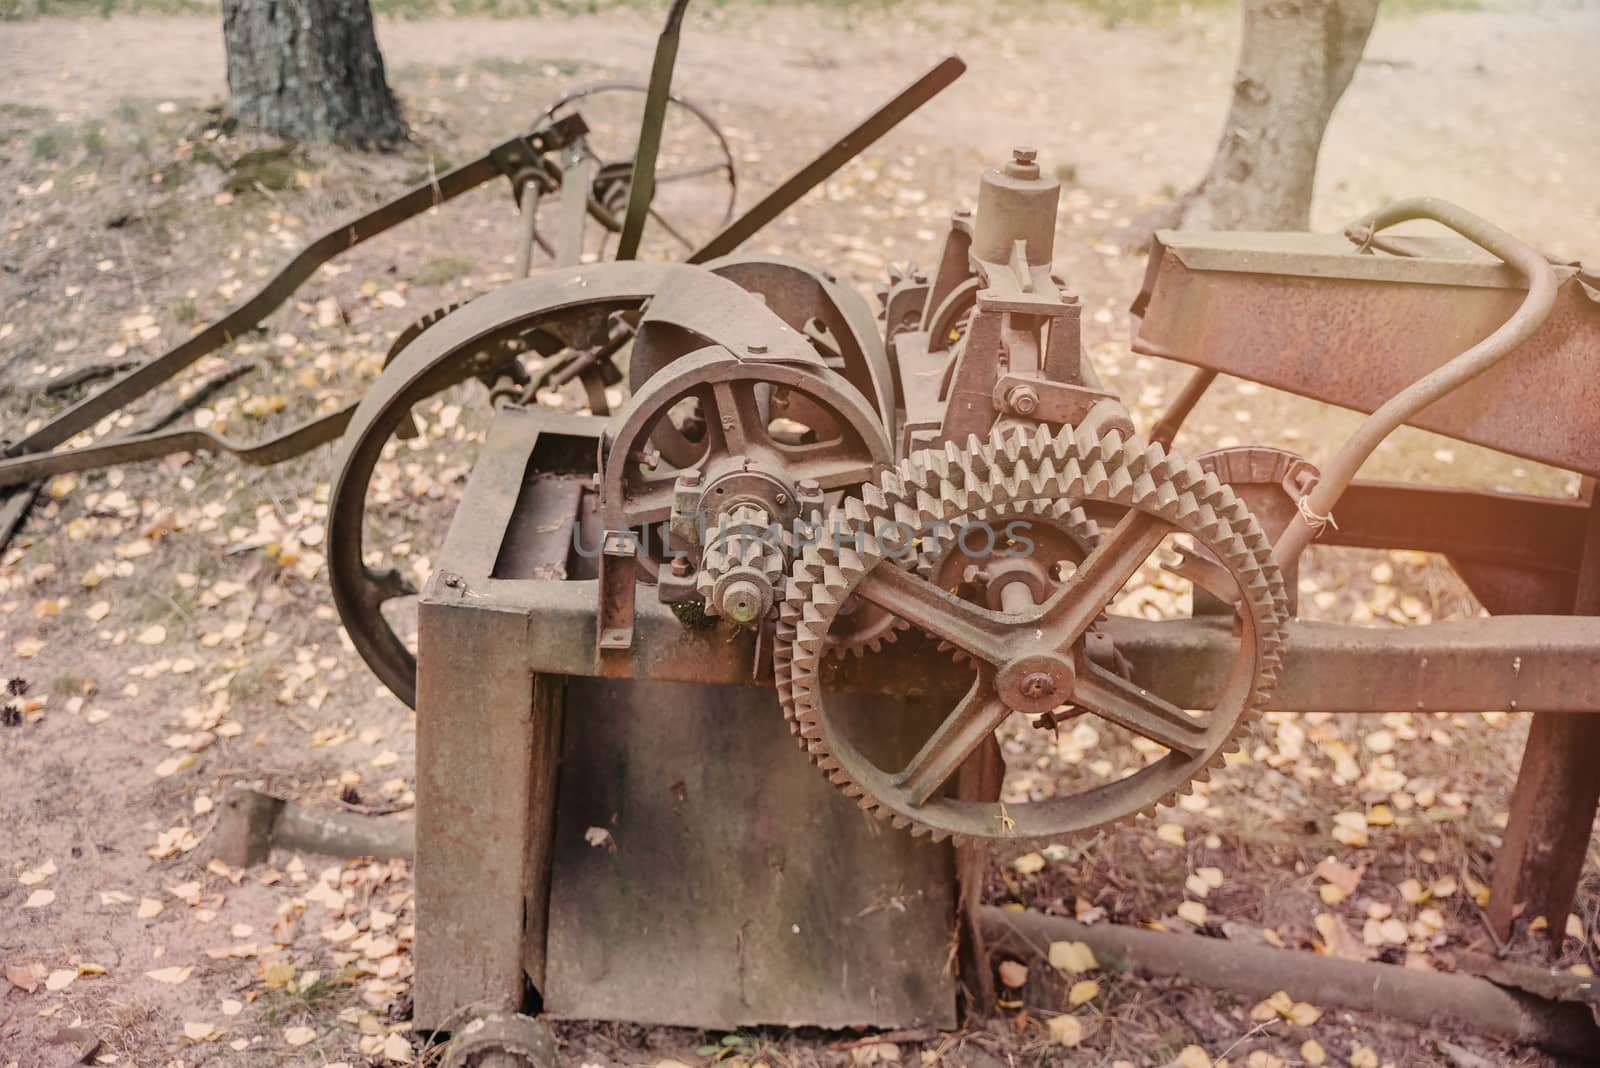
1024, 473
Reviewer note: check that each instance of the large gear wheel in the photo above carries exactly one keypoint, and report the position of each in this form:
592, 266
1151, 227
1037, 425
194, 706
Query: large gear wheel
1029, 657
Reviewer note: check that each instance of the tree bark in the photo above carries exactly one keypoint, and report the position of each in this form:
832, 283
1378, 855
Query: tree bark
309, 70
1295, 60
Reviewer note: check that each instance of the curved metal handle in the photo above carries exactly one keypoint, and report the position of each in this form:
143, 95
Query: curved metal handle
1316, 508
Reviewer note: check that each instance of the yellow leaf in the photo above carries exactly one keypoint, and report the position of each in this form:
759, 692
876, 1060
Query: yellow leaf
1574, 927
1066, 1030
1171, 833
1193, 912
1072, 957
60, 979
1330, 894
1304, 1013
1412, 892
149, 908
1028, 864
1083, 992
1193, 1057
40, 899
1312, 1052
196, 1031
1364, 1058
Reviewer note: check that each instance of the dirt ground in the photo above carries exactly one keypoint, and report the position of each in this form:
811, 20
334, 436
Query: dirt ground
170, 628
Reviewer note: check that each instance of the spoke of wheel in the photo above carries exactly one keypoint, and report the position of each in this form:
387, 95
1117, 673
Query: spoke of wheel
958, 737
672, 231
735, 417
1114, 698
1101, 577
979, 632
692, 172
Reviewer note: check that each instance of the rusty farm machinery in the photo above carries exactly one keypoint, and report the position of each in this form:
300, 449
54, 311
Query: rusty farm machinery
897, 536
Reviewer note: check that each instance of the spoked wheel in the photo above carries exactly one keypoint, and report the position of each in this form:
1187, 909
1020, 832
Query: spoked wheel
695, 181
1035, 649
485, 340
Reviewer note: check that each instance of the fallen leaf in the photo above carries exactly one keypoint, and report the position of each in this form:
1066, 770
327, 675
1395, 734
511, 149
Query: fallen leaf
1193, 1057
1193, 912
1312, 1052
1339, 874
173, 975
1074, 957
154, 634
60, 979
1066, 1031
39, 899
26, 977
397, 1049
1029, 864
299, 1036
196, 1031
149, 908
1013, 973
1083, 992
1171, 833
35, 876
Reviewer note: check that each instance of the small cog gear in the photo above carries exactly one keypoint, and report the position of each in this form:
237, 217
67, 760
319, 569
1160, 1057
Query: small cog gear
1031, 658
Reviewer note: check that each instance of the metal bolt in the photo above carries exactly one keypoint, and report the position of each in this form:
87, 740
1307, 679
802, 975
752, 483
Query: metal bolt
1023, 400
453, 581
1037, 684
689, 479
809, 486
756, 349
780, 498
681, 566
1024, 155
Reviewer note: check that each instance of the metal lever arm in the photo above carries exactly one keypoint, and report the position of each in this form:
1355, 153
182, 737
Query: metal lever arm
1317, 506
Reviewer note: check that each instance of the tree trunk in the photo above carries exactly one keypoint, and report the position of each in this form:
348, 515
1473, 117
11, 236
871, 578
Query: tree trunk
309, 70
1295, 60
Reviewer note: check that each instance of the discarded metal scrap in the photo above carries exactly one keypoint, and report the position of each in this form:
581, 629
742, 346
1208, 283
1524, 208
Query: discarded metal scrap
938, 500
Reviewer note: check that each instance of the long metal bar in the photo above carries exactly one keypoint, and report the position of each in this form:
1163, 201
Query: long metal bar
261, 303
642, 186
842, 151
1490, 664
135, 447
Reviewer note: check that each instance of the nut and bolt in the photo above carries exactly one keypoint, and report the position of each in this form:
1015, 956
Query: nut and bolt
808, 486
1024, 400
681, 566
756, 349
1024, 155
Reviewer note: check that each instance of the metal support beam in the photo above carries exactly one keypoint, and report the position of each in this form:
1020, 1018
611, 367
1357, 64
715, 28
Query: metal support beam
1553, 805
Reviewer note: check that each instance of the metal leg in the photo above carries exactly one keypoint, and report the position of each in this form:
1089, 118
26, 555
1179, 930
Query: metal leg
1557, 791
1552, 815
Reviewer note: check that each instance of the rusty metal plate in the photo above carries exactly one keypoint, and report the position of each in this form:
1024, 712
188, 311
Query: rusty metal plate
1306, 313
705, 875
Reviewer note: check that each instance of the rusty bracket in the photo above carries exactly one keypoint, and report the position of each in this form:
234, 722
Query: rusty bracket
1033, 396
619, 567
